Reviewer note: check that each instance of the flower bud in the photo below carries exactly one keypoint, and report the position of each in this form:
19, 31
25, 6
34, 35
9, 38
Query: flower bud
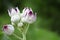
8, 29
15, 19
13, 11
20, 24
28, 15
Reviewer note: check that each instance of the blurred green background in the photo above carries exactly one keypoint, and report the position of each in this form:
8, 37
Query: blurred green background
47, 25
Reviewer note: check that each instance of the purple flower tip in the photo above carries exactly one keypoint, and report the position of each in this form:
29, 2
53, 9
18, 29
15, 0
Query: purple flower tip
5, 27
30, 13
16, 10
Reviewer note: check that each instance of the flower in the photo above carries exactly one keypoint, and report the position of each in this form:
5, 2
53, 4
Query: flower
13, 11
8, 29
28, 15
15, 19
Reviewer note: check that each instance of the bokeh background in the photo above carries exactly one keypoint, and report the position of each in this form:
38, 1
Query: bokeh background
47, 25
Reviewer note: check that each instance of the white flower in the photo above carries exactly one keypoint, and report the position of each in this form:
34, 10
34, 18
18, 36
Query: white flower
15, 19
28, 15
13, 11
20, 24
8, 29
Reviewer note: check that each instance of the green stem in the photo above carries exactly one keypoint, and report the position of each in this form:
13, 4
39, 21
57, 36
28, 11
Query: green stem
27, 29
24, 36
17, 36
19, 29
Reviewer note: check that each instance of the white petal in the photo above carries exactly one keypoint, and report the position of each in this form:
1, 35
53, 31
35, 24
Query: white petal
9, 13
15, 18
24, 10
31, 19
13, 12
18, 11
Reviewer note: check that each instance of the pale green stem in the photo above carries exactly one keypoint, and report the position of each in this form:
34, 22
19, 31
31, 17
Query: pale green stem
24, 32
17, 37
24, 36
27, 29
19, 29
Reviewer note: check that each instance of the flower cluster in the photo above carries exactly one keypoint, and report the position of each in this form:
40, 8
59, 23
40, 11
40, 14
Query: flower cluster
17, 18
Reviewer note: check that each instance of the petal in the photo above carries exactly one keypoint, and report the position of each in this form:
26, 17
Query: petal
18, 11
9, 13
15, 18
13, 11
24, 9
